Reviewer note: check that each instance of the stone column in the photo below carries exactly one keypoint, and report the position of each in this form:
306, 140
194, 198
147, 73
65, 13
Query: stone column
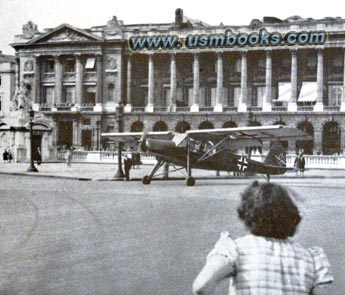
36, 93
173, 83
267, 101
75, 131
318, 107
128, 106
220, 79
292, 105
99, 90
58, 80
151, 86
78, 82
196, 83
17, 72
342, 106
242, 103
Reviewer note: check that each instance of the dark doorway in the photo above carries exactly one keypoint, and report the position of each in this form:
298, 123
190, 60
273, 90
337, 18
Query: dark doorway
65, 134
137, 126
331, 136
37, 144
86, 139
229, 124
306, 145
182, 127
160, 126
206, 125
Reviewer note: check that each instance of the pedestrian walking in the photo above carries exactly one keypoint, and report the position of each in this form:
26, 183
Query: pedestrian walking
69, 157
5, 156
267, 260
128, 165
10, 157
299, 164
38, 156
302, 163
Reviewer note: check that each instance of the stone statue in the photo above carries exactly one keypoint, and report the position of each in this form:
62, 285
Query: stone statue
113, 27
21, 99
29, 30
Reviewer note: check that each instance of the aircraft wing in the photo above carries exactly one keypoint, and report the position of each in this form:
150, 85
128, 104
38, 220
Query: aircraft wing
133, 138
249, 136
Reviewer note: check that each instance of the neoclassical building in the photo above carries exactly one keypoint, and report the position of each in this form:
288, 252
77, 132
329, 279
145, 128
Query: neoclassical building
77, 78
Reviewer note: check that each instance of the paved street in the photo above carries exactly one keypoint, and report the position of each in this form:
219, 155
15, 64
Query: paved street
64, 236
96, 171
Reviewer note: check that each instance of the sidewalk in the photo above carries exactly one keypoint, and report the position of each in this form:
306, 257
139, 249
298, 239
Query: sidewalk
87, 171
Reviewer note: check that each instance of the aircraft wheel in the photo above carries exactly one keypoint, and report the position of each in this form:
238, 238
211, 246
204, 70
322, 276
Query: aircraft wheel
146, 180
190, 181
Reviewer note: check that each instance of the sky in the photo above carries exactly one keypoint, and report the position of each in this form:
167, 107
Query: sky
86, 13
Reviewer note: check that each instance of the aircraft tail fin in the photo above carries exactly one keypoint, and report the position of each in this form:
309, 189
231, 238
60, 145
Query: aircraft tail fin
276, 155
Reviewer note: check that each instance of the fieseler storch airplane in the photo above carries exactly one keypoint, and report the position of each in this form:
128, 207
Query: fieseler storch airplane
213, 149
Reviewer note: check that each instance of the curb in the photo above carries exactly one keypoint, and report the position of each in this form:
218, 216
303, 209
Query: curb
31, 174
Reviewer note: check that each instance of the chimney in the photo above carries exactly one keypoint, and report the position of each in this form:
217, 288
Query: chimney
178, 17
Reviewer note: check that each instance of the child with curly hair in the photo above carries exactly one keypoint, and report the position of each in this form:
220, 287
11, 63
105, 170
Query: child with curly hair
266, 261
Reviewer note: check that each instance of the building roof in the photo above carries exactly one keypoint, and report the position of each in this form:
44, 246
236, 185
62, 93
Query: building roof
4, 58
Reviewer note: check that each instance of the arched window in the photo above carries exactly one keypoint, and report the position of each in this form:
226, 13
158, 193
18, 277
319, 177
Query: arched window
331, 135
182, 127
137, 126
306, 145
111, 92
206, 125
160, 126
254, 123
229, 124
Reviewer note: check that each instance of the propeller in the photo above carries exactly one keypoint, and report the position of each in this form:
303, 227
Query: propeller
142, 141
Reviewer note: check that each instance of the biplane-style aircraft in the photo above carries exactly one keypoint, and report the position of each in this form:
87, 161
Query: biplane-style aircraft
214, 149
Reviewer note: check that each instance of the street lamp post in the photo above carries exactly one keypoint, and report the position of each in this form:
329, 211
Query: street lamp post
119, 119
98, 124
32, 167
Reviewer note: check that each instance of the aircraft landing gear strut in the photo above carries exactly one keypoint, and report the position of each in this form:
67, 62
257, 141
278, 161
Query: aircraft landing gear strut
190, 181
147, 178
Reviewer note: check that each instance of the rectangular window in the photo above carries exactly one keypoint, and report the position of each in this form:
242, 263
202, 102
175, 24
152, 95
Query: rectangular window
0, 102
86, 121
90, 65
190, 96
68, 95
0, 80
111, 92
166, 96
211, 101
69, 65
90, 95
335, 93
262, 64
235, 96
49, 66
48, 97
238, 66
258, 95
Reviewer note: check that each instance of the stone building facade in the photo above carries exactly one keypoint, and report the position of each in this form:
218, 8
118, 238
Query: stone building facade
78, 77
